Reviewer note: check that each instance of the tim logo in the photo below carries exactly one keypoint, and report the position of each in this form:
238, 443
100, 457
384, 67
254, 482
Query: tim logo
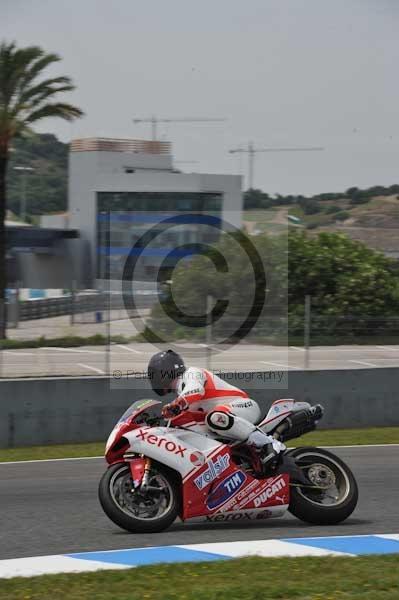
226, 489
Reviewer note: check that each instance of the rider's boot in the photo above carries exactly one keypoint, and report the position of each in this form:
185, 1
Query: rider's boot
267, 447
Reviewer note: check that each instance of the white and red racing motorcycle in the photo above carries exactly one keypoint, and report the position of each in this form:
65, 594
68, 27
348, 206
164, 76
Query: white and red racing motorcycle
157, 473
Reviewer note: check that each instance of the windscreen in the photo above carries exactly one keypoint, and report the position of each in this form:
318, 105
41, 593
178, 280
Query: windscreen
138, 407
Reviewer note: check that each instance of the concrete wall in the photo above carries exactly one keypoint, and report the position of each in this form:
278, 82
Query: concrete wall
46, 411
67, 263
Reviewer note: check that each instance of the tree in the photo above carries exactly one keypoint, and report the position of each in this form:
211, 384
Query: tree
353, 288
310, 206
240, 286
48, 184
25, 98
254, 198
352, 191
350, 284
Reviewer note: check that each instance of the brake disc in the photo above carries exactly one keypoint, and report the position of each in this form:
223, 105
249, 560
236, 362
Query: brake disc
321, 475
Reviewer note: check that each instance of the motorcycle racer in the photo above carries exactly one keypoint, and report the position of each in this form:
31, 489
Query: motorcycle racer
206, 398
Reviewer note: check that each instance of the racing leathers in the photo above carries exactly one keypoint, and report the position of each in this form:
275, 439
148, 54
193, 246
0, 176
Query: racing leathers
226, 410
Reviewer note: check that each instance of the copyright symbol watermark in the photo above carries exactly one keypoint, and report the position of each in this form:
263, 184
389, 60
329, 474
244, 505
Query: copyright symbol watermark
174, 249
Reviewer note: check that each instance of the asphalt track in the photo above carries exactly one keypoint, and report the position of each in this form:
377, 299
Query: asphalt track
125, 358
52, 508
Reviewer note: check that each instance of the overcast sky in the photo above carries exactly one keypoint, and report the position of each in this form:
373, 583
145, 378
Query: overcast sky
283, 72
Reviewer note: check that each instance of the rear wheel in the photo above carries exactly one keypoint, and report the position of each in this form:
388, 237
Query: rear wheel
332, 493
138, 511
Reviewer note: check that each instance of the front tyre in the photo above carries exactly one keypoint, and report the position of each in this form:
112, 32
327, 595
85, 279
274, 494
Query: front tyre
140, 512
334, 494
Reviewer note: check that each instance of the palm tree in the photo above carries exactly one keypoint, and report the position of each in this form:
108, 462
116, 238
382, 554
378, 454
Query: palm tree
25, 97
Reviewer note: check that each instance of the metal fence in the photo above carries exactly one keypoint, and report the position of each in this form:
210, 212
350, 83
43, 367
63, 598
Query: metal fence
82, 307
87, 333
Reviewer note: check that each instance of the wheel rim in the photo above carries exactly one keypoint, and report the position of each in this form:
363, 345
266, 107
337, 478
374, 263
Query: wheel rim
148, 506
325, 473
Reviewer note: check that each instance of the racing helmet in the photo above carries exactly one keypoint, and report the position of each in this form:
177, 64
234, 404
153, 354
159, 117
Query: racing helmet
162, 369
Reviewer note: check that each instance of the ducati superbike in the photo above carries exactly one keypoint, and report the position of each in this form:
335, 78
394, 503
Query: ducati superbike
158, 472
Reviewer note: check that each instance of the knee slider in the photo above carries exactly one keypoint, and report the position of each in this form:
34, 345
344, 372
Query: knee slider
220, 419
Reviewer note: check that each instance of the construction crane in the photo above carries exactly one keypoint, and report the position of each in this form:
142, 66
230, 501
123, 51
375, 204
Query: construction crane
155, 120
251, 151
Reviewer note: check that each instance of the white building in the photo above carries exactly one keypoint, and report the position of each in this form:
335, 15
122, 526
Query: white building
119, 178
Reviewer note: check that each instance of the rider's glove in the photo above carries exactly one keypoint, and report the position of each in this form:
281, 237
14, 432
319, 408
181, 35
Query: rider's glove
174, 408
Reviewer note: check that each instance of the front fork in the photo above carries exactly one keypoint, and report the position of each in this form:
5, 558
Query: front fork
140, 472
146, 476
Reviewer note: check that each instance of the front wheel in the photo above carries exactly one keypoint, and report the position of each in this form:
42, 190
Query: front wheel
140, 512
332, 493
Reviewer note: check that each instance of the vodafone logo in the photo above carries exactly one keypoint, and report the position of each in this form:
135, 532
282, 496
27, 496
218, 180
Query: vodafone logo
197, 458
161, 442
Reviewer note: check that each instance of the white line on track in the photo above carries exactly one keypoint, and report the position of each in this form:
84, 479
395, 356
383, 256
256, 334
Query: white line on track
387, 348
362, 362
72, 350
44, 460
19, 353
274, 364
297, 348
95, 369
129, 349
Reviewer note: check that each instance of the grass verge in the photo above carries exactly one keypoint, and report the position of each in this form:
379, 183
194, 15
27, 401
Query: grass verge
70, 341
305, 578
53, 451
348, 437
331, 437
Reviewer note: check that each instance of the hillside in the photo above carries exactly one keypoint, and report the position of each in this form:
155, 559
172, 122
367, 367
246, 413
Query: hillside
46, 186
370, 215
374, 221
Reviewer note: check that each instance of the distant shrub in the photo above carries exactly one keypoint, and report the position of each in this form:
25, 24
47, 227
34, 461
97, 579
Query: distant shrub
309, 206
342, 216
332, 209
359, 199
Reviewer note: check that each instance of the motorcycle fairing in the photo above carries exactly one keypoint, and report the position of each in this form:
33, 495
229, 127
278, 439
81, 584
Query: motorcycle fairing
212, 484
179, 449
279, 410
116, 444
220, 487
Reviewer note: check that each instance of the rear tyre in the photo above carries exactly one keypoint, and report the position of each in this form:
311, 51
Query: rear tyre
337, 494
135, 511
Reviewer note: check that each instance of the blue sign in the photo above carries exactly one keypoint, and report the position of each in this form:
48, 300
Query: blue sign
226, 489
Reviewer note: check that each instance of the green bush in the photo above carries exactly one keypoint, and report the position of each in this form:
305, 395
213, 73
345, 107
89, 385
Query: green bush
333, 208
354, 290
342, 215
359, 199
